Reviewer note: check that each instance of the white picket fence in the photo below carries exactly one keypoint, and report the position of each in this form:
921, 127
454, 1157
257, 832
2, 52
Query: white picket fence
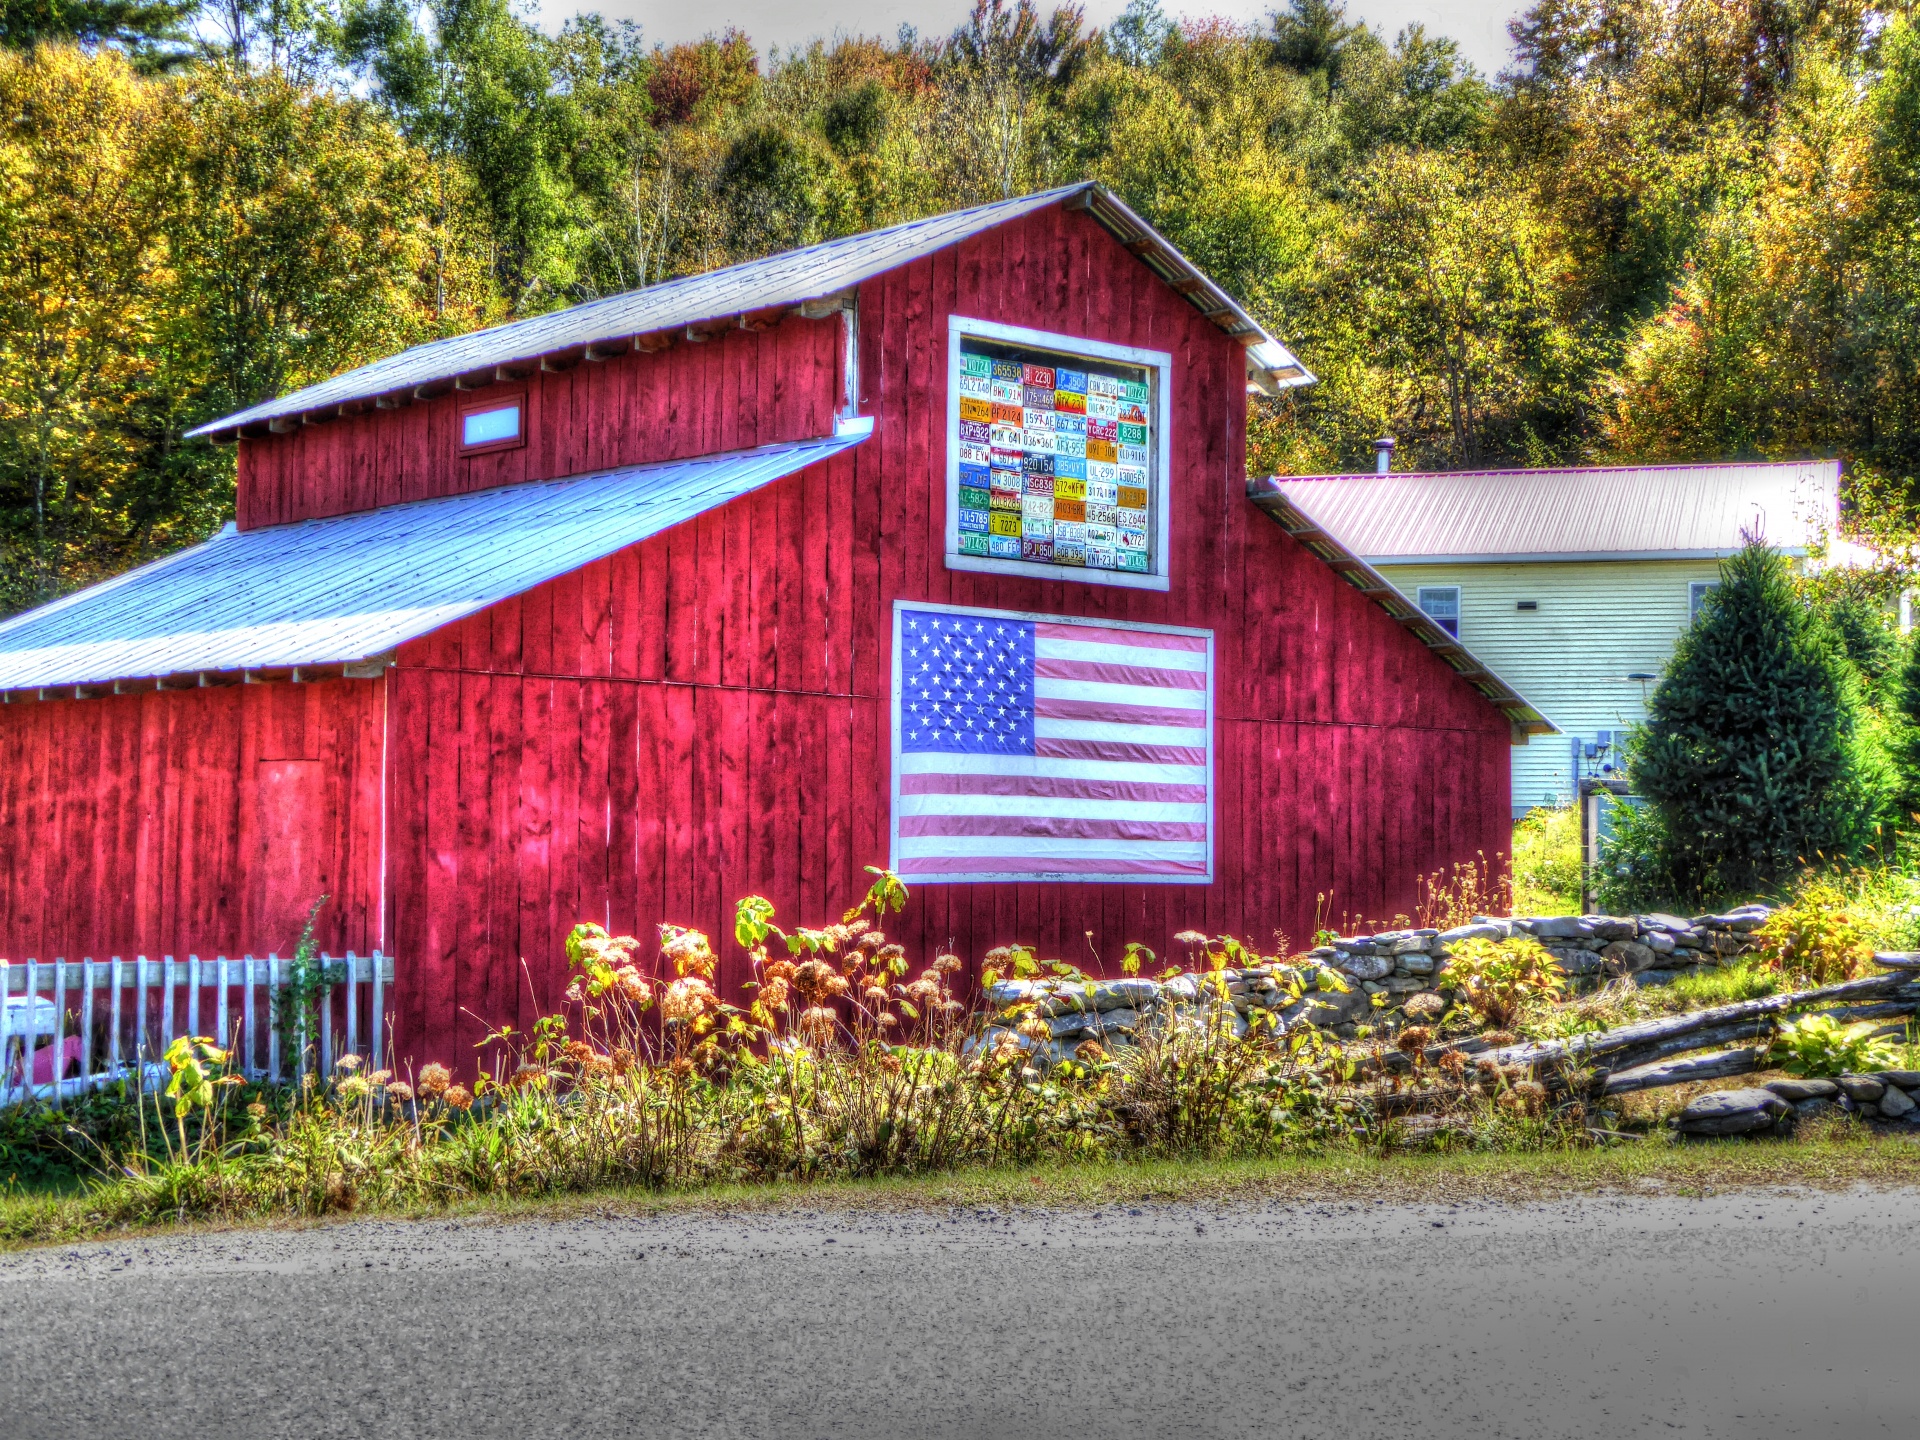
124, 1013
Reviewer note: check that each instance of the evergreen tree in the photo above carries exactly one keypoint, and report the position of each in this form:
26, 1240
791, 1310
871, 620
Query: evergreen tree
1748, 756
1905, 804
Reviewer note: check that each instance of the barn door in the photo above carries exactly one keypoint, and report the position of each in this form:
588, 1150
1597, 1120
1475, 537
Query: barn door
294, 828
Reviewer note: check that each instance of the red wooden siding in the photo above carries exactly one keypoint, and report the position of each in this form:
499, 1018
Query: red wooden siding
706, 715
735, 391
200, 821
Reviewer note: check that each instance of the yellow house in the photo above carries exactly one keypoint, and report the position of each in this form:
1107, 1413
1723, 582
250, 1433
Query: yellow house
1572, 585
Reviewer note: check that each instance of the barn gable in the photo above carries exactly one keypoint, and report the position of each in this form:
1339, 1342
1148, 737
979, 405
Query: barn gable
689, 705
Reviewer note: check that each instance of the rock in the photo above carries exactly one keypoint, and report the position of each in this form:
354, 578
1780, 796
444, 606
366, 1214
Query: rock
1475, 931
1073, 1022
1558, 927
1659, 942
1327, 1008
1576, 962
1322, 952
1798, 1090
1423, 1006
1364, 967
1609, 927
1862, 1089
1627, 957
1905, 1079
1670, 923
1405, 985
1894, 1103
1813, 1109
1656, 978
1410, 945
1373, 987
1417, 964
1125, 994
1003, 994
1731, 1112
1184, 988
1741, 920
1503, 925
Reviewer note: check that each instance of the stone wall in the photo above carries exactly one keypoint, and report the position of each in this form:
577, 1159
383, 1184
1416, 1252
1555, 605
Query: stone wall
1408, 967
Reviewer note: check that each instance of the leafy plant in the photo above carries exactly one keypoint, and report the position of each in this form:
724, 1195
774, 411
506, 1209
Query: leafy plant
1819, 936
1821, 1045
1546, 861
1500, 980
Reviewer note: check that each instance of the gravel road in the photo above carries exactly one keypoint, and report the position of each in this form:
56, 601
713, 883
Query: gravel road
1735, 1315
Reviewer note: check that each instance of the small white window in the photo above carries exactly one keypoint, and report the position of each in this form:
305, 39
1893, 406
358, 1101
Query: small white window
491, 425
1697, 596
1441, 603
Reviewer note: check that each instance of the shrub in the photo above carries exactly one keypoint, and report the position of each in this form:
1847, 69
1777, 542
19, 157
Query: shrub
1818, 936
1500, 980
1821, 1045
1748, 758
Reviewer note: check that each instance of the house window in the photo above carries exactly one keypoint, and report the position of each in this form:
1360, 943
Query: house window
1697, 596
1441, 604
492, 424
1057, 456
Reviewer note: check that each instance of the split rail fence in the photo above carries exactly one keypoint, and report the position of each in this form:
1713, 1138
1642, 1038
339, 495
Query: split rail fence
69, 1027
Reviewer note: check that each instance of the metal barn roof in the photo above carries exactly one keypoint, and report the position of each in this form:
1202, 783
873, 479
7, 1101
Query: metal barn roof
782, 281
1642, 512
1273, 496
350, 588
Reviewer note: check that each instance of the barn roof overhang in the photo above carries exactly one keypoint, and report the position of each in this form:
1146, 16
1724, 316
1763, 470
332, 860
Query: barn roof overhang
1525, 720
817, 281
332, 597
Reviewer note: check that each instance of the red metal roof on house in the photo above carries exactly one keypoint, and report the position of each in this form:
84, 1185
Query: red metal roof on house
1603, 512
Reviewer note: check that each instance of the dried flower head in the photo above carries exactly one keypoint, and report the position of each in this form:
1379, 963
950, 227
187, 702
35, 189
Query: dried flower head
623, 1060
1035, 1027
400, 1091
579, 1052
633, 985
873, 940
257, 1110
1498, 1038
875, 995
459, 1098
817, 981
1191, 937
773, 994
890, 1064
817, 1024
887, 1021
526, 1075
1454, 1062
1090, 1052
893, 952
1413, 1039
999, 955
349, 1063
946, 964
434, 1080
687, 998
780, 970
574, 993
681, 1068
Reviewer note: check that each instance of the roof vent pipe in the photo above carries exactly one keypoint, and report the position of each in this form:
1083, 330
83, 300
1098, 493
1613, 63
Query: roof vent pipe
1383, 455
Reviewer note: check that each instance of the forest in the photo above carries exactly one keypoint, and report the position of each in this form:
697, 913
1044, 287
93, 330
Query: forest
1666, 230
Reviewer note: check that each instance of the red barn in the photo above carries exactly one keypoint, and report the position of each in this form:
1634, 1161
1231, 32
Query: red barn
623, 612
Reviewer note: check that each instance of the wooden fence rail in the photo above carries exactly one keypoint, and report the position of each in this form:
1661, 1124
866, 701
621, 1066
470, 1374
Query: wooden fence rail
108, 1020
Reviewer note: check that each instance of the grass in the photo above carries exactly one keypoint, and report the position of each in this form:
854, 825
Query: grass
1546, 861
1654, 1166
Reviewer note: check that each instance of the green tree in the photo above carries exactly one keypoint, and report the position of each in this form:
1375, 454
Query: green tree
1748, 758
153, 34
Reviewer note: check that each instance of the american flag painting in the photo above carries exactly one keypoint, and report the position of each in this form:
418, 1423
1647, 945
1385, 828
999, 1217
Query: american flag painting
1034, 747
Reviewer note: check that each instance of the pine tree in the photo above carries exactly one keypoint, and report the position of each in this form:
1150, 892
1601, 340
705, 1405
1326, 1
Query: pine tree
1905, 804
1748, 756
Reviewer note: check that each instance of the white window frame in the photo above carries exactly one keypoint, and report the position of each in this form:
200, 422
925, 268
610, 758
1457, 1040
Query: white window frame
1697, 591
1422, 590
1159, 367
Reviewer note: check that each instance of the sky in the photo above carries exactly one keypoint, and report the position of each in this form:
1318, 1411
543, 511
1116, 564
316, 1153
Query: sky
1479, 25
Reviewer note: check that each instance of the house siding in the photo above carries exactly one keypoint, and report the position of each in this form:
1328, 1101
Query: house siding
1598, 622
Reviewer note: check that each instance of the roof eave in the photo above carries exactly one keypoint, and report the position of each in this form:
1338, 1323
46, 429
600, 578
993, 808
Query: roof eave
1271, 367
